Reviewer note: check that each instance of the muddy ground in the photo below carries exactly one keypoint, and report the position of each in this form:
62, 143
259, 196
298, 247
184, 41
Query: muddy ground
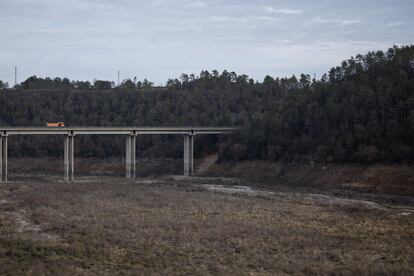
197, 226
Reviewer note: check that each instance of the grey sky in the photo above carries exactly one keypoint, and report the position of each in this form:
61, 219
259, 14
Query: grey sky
160, 39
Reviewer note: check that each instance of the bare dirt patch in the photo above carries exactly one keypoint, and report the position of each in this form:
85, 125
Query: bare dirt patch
204, 164
377, 178
114, 226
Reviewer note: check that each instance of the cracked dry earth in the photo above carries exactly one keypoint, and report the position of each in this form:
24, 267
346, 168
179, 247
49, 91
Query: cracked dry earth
196, 226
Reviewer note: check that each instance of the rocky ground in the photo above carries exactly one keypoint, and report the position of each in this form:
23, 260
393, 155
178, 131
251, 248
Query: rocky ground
177, 225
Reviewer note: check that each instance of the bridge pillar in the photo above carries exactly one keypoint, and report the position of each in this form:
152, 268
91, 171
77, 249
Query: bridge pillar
3, 157
133, 155
69, 157
189, 154
130, 156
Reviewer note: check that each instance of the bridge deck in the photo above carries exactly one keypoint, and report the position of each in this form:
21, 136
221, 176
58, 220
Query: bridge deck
114, 130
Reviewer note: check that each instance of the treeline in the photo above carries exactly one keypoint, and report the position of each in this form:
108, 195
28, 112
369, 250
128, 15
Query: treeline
361, 111
36, 83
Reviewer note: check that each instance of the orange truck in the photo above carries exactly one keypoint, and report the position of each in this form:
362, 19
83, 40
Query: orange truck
57, 124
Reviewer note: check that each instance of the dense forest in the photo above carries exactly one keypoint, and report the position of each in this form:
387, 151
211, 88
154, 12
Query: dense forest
361, 111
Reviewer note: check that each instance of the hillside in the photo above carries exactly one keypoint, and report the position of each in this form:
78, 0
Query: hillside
361, 111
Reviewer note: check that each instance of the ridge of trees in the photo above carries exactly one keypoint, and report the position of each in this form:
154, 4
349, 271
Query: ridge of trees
37, 83
360, 111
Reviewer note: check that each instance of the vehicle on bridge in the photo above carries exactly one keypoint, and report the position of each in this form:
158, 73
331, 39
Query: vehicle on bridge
57, 124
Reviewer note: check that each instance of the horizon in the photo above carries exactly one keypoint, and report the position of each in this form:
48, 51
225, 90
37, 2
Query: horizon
197, 75
88, 39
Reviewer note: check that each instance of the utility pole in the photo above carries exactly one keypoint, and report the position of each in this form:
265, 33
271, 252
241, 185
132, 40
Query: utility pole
15, 76
118, 76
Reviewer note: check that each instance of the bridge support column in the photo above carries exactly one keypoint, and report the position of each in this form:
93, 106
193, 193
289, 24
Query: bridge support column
130, 156
69, 157
3, 157
189, 154
133, 156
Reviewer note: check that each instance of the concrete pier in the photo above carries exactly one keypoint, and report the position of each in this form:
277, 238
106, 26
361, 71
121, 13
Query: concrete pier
3, 157
130, 156
69, 157
133, 155
189, 154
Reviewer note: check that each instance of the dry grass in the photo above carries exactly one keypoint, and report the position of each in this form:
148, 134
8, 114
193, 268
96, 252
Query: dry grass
115, 226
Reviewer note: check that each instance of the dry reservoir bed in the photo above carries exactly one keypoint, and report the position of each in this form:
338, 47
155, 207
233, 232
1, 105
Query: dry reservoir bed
176, 225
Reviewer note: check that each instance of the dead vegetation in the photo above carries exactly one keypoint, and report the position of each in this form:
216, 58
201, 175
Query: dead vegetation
112, 166
174, 225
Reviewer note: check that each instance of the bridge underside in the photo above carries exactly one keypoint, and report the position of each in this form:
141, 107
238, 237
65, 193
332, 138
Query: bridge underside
131, 133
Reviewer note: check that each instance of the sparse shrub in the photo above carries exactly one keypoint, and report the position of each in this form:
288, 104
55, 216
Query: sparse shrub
367, 153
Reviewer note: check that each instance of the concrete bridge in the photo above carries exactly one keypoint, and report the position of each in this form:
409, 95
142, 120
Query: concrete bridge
130, 133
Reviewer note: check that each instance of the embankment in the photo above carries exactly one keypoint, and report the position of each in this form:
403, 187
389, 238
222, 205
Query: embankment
378, 178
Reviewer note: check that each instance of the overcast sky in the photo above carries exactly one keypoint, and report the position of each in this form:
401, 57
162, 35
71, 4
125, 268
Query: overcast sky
92, 39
